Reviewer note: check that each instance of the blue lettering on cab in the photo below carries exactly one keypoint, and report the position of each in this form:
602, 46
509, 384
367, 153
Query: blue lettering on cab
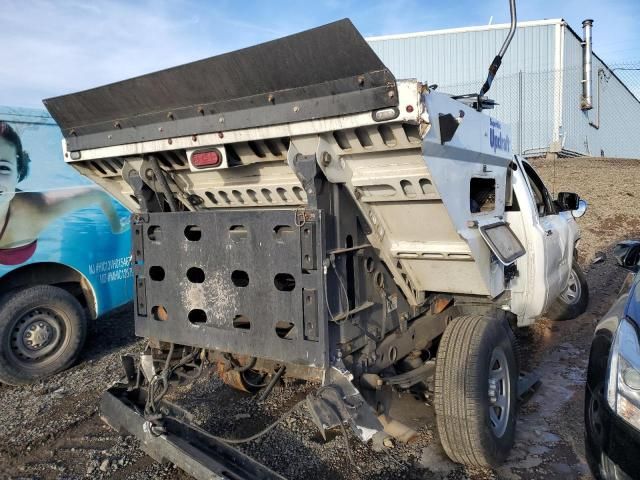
497, 140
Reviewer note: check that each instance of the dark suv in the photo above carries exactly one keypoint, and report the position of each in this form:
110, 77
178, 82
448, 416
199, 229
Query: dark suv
612, 402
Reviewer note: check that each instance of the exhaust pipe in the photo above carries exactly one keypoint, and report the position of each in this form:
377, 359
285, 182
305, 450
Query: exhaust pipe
587, 82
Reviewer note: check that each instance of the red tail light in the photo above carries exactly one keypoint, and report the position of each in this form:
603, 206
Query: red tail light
206, 159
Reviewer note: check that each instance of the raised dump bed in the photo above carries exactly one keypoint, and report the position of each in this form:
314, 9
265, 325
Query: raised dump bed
299, 211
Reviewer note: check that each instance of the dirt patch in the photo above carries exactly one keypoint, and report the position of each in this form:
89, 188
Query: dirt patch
612, 189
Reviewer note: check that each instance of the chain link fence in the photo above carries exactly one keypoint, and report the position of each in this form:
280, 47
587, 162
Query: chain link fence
629, 73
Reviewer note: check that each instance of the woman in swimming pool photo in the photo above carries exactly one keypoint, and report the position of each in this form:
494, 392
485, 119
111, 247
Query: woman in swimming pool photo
24, 215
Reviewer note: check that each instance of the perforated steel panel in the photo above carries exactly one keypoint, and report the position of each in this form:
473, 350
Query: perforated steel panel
245, 282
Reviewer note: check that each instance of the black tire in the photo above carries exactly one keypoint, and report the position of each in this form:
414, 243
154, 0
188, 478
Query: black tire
42, 330
595, 432
574, 299
466, 354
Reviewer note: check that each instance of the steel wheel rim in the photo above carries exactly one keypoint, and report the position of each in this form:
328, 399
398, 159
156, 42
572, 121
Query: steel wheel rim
37, 336
572, 292
499, 392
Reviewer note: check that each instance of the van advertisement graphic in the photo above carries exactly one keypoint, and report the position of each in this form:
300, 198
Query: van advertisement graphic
50, 213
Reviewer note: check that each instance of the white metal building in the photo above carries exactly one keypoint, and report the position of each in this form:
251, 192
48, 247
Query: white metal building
539, 86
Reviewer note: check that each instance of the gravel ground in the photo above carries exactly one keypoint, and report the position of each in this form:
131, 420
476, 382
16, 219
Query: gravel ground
53, 430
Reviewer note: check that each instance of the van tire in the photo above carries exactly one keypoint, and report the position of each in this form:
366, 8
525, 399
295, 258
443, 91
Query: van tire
465, 397
574, 299
48, 316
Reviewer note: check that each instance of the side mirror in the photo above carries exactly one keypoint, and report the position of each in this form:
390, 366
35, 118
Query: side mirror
627, 254
580, 211
568, 201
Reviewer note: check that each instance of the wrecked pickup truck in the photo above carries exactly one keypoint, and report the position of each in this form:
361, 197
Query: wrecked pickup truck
301, 212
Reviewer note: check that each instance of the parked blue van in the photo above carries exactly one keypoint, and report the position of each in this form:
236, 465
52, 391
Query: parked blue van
64, 250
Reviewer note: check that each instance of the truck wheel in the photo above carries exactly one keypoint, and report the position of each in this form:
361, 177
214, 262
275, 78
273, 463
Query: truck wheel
476, 387
42, 330
574, 298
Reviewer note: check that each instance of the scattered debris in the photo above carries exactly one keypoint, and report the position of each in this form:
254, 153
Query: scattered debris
104, 466
599, 257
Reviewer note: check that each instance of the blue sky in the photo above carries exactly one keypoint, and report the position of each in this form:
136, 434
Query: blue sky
52, 47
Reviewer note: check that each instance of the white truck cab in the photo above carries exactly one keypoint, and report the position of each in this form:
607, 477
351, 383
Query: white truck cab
549, 232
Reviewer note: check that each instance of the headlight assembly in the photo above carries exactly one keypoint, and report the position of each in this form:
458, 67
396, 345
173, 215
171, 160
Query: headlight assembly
623, 385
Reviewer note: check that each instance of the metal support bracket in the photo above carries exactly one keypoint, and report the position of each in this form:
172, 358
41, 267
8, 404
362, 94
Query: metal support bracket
310, 313
528, 384
339, 401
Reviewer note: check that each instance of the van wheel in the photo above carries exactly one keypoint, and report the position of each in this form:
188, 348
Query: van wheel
42, 330
476, 387
574, 298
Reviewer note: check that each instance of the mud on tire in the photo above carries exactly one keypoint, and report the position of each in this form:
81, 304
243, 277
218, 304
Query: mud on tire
42, 330
476, 371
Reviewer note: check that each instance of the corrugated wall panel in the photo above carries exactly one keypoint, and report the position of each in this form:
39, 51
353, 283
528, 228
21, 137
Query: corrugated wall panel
458, 62
527, 87
465, 56
617, 134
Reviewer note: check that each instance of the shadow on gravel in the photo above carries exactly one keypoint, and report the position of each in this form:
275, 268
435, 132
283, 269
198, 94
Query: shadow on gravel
109, 332
290, 449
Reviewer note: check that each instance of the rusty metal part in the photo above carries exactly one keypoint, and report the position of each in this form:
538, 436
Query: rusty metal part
441, 303
232, 377
161, 314
241, 363
267, 366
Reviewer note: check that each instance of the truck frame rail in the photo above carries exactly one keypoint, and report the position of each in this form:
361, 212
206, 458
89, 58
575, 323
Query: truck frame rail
180, 442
